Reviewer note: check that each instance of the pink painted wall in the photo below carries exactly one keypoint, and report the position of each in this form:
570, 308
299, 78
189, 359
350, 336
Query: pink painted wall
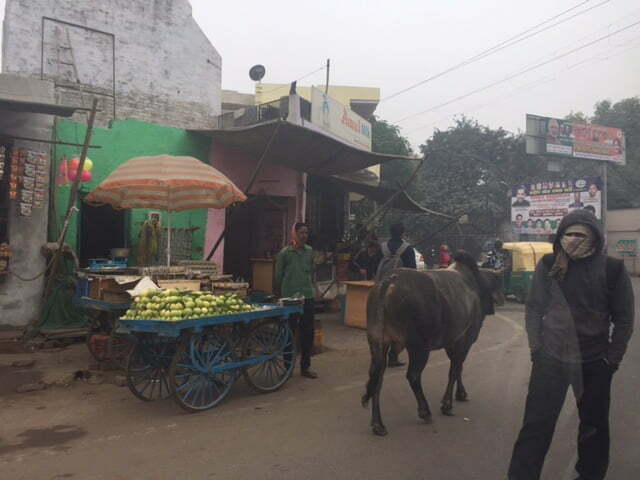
273, 180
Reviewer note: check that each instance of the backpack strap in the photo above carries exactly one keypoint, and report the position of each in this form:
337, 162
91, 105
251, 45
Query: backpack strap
385, 250
402, 248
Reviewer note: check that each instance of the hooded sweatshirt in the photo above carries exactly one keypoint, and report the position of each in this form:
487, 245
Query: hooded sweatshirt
570, 319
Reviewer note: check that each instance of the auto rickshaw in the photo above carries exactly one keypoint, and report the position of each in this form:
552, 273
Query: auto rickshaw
524, 258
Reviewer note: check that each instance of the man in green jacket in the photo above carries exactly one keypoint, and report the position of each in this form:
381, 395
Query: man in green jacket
294, 272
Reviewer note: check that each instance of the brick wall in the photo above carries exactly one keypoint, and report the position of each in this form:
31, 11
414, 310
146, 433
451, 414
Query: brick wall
164, 69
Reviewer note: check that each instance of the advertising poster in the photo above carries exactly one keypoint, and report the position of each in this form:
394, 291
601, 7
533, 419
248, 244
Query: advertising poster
538, 208
584, 140
339, 120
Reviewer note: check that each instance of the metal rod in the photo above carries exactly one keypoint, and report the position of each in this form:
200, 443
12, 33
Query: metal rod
326, 87
386, 205
51, 142
252, 180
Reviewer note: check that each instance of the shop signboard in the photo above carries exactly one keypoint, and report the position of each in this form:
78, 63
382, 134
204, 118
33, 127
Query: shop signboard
339, 120
553, 136
627, 247
538, 208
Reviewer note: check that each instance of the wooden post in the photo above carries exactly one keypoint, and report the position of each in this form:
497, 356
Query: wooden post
55, 261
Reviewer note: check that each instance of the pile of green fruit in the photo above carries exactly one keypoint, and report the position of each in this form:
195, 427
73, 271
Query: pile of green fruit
173, 305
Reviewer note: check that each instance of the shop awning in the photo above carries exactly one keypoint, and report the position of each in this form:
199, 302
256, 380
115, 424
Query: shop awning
381, 195
298, 147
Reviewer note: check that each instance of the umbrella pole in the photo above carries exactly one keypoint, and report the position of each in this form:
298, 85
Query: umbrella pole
168, 239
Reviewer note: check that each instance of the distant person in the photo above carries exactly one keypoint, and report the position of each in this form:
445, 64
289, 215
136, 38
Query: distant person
521, 200
579, 319
294, 276
577, 203
444, 258
396, 253
367, 260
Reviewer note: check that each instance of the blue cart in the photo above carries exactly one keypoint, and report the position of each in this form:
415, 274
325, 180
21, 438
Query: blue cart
197, 361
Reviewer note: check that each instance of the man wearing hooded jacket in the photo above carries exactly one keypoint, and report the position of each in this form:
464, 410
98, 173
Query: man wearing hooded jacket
577, 294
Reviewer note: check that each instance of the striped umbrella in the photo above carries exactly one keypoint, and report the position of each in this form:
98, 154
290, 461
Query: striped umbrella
165, 182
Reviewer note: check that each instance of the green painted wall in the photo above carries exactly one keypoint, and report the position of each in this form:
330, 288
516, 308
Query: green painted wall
123, 141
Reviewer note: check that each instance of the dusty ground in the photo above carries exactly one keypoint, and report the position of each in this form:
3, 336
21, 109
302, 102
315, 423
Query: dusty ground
311, 429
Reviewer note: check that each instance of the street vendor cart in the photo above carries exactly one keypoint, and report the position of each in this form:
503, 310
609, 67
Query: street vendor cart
196, 361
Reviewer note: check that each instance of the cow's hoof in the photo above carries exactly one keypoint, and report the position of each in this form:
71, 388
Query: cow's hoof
447, 410
379, 430
425, 416
462, 397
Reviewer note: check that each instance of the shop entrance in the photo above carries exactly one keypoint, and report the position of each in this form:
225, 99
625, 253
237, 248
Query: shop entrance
101, 229
256, 229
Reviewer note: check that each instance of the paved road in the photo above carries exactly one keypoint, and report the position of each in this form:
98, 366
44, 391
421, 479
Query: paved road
311, 429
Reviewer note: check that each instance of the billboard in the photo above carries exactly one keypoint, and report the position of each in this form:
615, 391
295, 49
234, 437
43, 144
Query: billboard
538, 208
575, 140
339, 120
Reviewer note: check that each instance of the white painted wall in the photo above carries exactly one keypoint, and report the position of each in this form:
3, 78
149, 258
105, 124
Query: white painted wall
166, 70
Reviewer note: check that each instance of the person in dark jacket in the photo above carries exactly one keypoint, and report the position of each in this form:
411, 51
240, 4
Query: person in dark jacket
579, 319
367, 260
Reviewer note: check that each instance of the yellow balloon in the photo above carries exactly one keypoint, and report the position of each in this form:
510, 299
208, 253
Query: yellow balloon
88, 165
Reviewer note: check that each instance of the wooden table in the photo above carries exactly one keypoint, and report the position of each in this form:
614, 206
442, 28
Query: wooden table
356, 307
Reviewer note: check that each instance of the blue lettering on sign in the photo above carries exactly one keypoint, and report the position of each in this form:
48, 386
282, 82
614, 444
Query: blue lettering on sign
365, 130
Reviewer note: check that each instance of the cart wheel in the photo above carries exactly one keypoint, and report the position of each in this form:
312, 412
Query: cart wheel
271, 349
121, 347
202, 371
147, 368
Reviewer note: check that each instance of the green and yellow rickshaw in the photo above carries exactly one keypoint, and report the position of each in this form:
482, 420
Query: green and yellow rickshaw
524, 258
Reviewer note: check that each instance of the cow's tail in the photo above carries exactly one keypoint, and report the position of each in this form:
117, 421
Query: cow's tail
379, 349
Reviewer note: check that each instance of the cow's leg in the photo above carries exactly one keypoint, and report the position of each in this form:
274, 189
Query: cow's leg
418, 357
461, 392
374, 386
446, 406
456, 355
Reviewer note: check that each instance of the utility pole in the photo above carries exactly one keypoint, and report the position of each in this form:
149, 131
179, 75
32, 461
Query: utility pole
604, 203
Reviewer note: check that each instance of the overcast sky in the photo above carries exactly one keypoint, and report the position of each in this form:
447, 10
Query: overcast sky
392, 45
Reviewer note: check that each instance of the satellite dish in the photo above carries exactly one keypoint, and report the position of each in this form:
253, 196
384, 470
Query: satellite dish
257, 72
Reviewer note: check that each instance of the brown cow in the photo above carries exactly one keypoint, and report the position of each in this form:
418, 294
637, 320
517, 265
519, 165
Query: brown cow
424, 311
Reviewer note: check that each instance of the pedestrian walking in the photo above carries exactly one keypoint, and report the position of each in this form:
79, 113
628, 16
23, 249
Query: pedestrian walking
294, 277
579, 319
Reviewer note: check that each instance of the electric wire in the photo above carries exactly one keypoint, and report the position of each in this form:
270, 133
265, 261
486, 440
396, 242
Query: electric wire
520, 37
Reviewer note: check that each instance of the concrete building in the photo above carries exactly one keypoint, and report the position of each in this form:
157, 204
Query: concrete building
155, 74
623, 236
27, 106
145, 60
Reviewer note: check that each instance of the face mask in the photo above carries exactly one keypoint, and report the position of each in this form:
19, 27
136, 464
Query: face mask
578, 247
